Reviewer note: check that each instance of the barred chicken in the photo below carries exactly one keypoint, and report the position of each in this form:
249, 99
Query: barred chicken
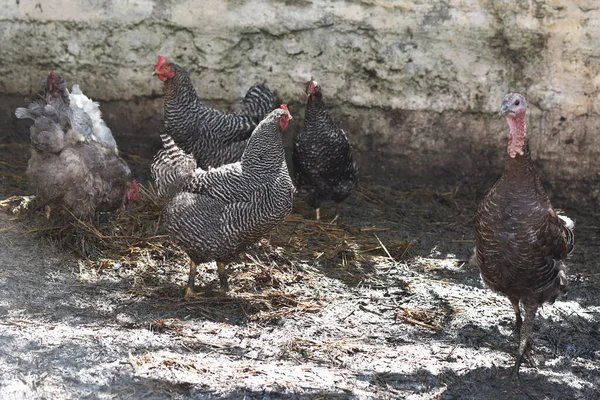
214, 214
322, 156
213, 137
84, 114
521, 241
67, 168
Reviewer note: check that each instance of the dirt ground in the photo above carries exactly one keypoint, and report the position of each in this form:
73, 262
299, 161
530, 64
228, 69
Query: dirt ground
380, 304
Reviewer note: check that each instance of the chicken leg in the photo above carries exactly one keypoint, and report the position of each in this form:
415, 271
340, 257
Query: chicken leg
222, 276
190, 292
318, 214
337, 213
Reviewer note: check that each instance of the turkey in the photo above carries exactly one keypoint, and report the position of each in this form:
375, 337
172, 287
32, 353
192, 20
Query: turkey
213, 137
521, 241
67, 168
220, 211
322, 156
84, 113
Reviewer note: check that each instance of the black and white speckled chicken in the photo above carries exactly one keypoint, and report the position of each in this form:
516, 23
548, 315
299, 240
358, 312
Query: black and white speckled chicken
69, 169
213, 137
521, 241
84, 114
214, 214
322, 156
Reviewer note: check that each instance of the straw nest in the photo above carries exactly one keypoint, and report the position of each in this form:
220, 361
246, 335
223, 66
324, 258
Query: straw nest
277, 275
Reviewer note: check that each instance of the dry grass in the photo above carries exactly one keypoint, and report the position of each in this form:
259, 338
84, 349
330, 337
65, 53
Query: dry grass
275, 277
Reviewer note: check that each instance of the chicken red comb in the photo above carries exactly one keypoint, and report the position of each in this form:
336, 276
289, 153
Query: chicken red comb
161, 61
289, 115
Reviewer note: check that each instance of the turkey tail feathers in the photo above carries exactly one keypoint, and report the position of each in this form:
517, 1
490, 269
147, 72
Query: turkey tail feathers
568, 228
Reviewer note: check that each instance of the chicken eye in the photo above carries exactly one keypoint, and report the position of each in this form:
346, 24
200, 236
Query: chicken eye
517, 103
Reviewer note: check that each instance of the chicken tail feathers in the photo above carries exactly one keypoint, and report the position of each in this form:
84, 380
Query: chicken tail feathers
257, 103
172, 168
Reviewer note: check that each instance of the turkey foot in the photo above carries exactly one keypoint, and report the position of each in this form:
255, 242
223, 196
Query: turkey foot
318, 214
190, 292
222, 276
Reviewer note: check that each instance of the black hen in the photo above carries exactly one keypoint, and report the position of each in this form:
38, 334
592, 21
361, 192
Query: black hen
520, 239
214, 214
213, 137
322, 155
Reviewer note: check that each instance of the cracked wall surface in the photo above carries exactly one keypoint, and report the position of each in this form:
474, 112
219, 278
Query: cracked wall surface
416, 84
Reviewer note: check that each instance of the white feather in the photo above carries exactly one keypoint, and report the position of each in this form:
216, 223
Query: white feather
100, 131
567, 221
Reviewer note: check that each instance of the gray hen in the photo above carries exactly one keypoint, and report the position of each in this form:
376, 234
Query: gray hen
520, 239
83, 113
221, 211
322, 155
213, 137
68, 169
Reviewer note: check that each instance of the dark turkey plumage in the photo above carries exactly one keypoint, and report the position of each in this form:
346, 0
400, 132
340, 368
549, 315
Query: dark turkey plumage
69, 169
220, 211
521, 241
322, 155
213, 137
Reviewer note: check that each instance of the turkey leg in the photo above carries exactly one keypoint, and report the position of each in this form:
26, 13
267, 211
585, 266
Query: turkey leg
525, 337
515, 305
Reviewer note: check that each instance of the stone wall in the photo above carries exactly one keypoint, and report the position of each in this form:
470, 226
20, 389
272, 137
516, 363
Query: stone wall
417, 84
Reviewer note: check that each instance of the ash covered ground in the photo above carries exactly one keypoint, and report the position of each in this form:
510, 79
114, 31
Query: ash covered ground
380, 304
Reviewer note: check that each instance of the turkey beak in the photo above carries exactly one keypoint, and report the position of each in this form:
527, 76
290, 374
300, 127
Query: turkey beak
153, 72
504, 109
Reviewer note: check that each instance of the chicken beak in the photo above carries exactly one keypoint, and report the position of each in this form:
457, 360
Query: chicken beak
153, 72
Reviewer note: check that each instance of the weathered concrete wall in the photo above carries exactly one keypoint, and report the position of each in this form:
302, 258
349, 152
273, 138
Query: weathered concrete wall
416, 83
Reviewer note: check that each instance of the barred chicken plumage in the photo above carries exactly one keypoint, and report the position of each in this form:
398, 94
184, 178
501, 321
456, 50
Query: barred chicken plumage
84, 114
220, 211
322, 156
213, 137
521, 241
69, 169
